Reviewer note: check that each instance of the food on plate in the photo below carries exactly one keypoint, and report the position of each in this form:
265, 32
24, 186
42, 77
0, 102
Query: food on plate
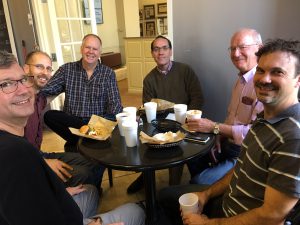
84, 129
162, 138
94, 130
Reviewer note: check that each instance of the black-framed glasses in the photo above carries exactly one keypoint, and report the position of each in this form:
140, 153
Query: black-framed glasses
42, 67
10, 86
163, 48
240, 47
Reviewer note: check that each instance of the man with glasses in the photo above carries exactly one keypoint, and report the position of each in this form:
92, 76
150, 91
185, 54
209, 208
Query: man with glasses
242, 110
90, 88
172, 81
70, 167
30, 193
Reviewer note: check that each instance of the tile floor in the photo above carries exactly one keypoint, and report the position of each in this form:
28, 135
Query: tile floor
116, 195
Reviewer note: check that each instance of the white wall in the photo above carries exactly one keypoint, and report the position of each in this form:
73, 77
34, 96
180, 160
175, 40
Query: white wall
202, 32
108, 31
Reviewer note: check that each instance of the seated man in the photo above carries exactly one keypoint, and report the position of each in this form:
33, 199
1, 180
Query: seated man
264, 186
172, 81
242, 110
71, 167
90, 88
30, 193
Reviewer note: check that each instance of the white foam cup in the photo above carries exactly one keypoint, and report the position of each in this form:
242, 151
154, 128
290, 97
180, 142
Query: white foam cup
180, 112
122, 117
189, 203
193, 114
150, 108
130, 132
131, 112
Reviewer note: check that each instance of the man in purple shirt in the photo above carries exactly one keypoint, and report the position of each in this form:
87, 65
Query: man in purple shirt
242, 110
72, 168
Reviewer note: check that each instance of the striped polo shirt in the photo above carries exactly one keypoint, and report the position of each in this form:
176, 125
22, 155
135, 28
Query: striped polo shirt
270, 156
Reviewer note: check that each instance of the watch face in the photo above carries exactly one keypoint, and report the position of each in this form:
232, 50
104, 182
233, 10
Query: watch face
216, 129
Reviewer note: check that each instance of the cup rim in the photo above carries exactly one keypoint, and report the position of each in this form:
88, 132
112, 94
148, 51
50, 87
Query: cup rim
182, 196
122, 113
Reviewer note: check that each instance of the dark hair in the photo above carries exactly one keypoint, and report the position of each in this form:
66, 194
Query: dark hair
160, 36
92, 35
7, 60
31, 54
292, 47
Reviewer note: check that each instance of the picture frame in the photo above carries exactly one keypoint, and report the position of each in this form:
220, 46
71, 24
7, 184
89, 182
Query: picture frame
98, 11
149, 12
162, 25
162, 8
150, 29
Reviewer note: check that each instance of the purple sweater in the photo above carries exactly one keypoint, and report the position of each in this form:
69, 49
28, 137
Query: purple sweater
34, 127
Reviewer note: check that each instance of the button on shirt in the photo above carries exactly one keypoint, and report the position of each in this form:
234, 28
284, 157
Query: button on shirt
243, 106
84, 97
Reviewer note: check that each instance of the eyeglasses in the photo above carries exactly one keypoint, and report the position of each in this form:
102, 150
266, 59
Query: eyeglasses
42, 67
163, 48
10, 86
240, 47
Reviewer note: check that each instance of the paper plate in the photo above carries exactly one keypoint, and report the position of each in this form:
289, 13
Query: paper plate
100, 138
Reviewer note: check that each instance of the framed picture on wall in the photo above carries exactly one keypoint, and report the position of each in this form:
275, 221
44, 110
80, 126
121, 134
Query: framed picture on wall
149, 12
162, 8
150, 29
98, 11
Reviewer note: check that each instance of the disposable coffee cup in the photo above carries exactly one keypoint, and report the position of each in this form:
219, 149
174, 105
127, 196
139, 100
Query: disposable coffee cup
193, 114
150, 108
189, 203
131, 112
130, 132
180, 113
122, 117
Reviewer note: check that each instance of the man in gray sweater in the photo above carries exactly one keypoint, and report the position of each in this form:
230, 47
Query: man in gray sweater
172, 81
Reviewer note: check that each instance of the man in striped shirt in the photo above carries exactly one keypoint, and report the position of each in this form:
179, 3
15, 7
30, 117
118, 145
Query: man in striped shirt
265, 184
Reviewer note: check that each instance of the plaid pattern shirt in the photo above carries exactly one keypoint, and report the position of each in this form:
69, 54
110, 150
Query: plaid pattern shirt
84, 97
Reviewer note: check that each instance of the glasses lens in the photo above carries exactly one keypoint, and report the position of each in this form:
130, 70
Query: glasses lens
157, 49
27, 81
9, 86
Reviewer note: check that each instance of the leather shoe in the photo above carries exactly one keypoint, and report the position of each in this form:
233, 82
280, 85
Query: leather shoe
136, 185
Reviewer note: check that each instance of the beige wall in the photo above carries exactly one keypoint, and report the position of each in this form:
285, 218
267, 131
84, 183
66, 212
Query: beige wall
108, 31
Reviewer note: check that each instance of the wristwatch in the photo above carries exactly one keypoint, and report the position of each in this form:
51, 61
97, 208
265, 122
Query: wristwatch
216, 129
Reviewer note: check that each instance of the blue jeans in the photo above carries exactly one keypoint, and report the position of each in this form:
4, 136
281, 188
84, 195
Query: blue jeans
213, 174
87, 201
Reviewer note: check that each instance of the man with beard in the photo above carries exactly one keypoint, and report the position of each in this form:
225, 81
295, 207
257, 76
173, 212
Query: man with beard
71, 168
90, 88
242, 110
264, 186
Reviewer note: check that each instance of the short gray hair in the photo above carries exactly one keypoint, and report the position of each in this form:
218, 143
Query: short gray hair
7, 59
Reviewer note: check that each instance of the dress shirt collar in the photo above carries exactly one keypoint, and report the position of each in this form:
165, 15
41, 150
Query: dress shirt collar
248, 76
166, 71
